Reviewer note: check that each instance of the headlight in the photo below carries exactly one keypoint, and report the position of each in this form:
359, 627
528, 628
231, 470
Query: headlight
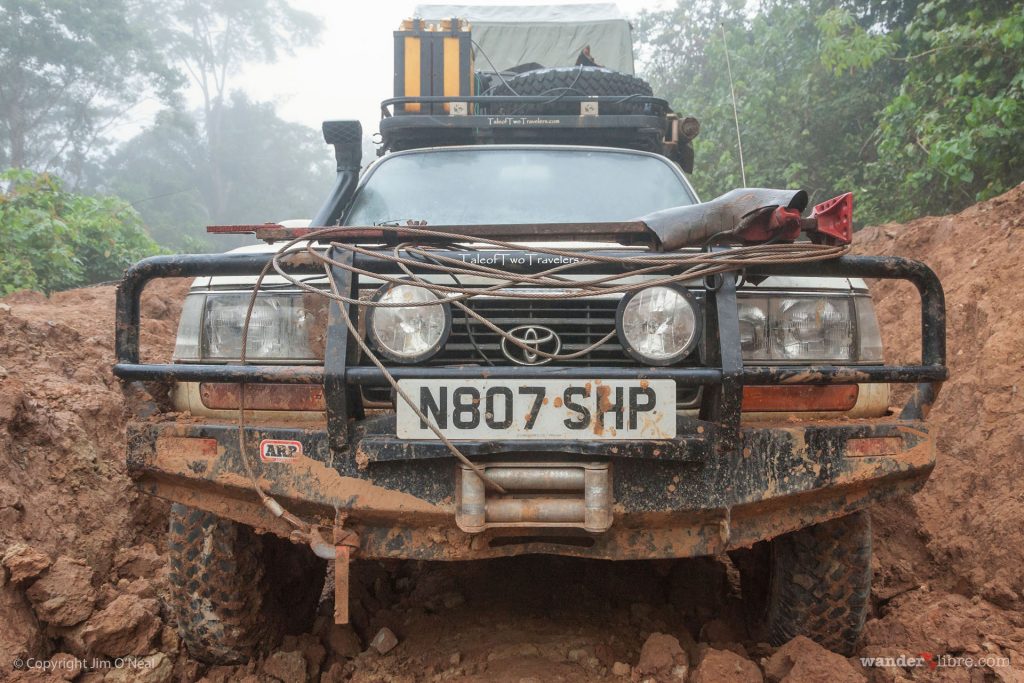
814, 328
658, 325
869, 338
284, 326
753, 317
808, 328
408, 334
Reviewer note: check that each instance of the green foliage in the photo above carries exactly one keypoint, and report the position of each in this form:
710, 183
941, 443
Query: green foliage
802, 125
847, 46
952, 135
68, 69
54, 239
915, 107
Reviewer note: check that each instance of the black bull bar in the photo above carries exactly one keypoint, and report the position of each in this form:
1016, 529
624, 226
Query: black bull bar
723, 376
739, 484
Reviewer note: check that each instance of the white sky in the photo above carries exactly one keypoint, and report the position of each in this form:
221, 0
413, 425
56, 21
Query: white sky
350, 71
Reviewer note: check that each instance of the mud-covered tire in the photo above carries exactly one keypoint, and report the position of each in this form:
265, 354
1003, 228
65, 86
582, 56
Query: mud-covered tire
234, 592
578, 81
814, 582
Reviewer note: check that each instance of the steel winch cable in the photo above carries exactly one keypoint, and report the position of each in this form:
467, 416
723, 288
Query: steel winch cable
417, 260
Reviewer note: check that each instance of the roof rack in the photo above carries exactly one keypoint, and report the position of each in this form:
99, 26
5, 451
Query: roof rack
509, 119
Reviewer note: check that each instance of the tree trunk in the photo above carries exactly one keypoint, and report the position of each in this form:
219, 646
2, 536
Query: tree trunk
17, 130
215, 157
17, 143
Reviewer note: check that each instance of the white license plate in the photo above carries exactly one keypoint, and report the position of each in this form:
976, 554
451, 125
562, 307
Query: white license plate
540, 409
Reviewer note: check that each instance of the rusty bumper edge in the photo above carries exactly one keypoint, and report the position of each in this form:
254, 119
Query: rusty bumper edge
785, 478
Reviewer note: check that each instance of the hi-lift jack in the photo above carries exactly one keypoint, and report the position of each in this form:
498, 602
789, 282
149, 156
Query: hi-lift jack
749, 216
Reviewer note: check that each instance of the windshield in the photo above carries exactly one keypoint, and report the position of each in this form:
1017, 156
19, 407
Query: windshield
501, 186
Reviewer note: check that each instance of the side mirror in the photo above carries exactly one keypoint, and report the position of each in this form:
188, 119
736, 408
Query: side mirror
347, 139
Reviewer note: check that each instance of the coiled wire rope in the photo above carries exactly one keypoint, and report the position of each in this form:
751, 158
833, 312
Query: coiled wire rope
416, 254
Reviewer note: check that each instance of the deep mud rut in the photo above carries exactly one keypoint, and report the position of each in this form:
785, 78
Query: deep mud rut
83, 570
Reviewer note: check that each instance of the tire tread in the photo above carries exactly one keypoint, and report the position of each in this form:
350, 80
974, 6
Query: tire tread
223, 592
819, 586
583, 81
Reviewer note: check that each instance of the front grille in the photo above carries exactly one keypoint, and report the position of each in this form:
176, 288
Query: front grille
577, 322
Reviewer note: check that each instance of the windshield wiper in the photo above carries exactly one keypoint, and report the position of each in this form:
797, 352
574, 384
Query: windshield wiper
399, 222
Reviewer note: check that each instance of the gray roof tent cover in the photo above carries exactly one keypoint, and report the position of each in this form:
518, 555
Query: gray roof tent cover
551, 35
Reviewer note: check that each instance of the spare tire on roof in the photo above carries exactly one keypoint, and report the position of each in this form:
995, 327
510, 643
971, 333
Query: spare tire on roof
561, 82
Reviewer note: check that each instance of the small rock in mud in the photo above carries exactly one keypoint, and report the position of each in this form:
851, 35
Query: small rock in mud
126, 627
334, 674
64, 595
385, 641
156, 668
286, 666
310, 647
343, 641
25, 562
65, 666
660, 653
621, 669
802, 659
10, 498
735, 647
138, 562
141, 587
725, 666
578, 654
999, 593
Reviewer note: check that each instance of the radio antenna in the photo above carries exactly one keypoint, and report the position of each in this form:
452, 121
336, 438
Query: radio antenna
735, 114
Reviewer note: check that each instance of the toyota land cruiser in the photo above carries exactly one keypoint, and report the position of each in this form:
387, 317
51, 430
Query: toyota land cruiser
499, 345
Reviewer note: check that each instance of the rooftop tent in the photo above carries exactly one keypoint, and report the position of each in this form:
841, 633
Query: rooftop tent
550, 35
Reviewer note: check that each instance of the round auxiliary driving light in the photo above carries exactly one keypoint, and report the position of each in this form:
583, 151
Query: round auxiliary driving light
658, 325
408, 334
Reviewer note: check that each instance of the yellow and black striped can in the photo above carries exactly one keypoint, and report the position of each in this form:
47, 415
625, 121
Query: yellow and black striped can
433, 59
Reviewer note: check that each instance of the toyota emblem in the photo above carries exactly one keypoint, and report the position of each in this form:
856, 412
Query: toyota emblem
535, 338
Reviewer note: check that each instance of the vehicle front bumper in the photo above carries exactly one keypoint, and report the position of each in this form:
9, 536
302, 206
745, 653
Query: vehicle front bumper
678, 498
720, 484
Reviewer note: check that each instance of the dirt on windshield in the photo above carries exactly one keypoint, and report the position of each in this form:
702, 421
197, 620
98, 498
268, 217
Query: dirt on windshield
83, 553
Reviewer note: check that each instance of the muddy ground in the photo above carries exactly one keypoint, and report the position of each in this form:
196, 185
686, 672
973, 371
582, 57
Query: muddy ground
83, 553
